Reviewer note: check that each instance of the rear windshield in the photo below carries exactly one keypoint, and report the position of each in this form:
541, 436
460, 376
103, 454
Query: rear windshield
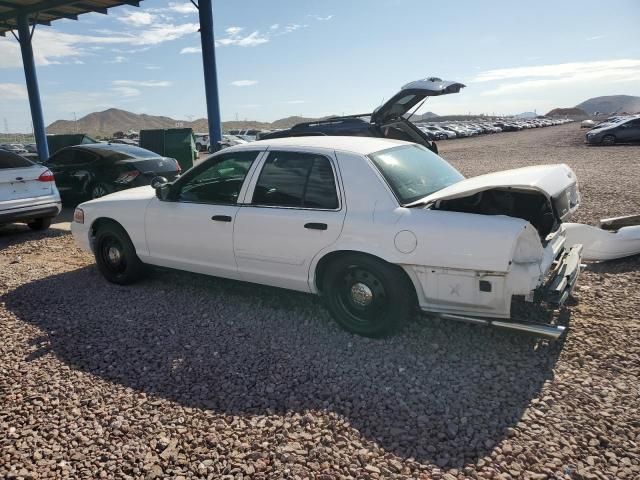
118, 151
413, 171
156, 165
13, 160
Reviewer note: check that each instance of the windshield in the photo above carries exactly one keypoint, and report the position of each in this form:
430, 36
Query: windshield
413, 172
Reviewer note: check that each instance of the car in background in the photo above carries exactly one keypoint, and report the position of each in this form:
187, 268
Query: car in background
98, 169
441, 133
31, 148
387, 121
202, 142
622, 131
13, 147
28, 192
123, 141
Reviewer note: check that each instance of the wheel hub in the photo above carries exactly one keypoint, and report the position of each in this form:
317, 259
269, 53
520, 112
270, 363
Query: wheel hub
114, 255
361, 294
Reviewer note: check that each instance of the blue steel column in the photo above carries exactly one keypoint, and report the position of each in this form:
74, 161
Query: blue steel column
24, 34
205, 9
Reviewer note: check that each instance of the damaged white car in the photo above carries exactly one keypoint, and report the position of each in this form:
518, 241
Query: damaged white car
376, 226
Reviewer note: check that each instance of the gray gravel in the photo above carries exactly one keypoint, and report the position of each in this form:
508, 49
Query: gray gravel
185, 376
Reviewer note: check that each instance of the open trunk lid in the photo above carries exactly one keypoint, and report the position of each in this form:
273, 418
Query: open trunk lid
410, 95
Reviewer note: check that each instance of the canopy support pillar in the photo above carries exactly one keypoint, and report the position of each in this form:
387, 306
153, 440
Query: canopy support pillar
205, 10
24, 36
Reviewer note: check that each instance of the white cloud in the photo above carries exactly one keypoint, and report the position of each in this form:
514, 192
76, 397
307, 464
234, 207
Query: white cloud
275, 26
243, 83
596, 37
556, 70
526, 79
252, 40
12, 91
182, 7
320, 18
296, 102
191, 50
126, 91
233, 30
137, 18
118, 59
152, 67
142, 83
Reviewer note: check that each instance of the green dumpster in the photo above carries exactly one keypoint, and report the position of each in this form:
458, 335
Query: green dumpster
178, 143
56, 142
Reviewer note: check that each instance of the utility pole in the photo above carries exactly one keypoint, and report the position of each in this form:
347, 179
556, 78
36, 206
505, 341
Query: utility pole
75, 123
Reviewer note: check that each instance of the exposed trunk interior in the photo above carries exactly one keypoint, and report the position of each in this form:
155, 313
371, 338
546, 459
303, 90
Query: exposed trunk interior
533, 207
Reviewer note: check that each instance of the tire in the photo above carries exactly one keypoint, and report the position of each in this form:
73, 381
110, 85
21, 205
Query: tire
116, 257
98, 190
39, 224
608, 140
367, 296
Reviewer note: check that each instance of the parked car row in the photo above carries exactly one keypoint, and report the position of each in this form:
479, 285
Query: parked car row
617, 129
450, 130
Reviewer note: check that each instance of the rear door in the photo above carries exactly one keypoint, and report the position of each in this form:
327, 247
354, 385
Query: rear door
629, 131
61, 163
293, 210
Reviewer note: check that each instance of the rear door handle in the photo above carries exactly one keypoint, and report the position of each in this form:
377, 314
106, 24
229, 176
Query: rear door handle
316, 226
221, 218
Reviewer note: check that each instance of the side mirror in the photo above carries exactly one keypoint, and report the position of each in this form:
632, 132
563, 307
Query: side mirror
162, 187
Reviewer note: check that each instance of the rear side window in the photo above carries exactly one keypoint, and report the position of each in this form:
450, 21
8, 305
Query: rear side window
291, 179
13, 160
63, 157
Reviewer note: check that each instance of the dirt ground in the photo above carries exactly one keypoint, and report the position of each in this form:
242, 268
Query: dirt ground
184, 376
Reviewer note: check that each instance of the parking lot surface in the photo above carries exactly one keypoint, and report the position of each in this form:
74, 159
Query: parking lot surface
185, 376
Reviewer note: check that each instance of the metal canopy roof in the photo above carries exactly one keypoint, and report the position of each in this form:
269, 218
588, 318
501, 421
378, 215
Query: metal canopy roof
46, 11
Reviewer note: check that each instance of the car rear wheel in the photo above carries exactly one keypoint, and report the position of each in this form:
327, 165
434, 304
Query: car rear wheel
100, 190
608, 140
116, 256
367, 296
39, 224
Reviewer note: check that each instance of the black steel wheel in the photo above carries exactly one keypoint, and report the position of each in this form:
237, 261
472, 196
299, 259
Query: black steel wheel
608, 140
367, 296
116, 256
100, 190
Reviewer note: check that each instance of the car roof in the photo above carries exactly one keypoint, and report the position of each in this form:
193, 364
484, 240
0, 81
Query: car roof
360, 145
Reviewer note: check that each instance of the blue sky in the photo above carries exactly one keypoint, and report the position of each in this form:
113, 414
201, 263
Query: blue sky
313, 58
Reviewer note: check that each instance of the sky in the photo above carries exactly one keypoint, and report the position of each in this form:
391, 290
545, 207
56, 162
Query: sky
309, 57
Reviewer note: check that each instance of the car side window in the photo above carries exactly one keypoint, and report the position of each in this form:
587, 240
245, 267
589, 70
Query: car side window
63, 158
218, 181
292, 179
83, 157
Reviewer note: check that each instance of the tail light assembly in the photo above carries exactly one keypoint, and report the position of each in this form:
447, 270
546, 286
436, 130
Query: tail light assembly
46, 176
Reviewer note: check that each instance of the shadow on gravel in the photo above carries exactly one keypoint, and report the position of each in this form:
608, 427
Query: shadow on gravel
16, 233
441, 393
621, 265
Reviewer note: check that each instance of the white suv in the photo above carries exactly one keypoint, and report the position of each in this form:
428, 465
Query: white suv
28, 192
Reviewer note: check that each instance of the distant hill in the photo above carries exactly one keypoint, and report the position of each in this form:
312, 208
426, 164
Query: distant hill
575, 113
526, 115
611, 104
104, 124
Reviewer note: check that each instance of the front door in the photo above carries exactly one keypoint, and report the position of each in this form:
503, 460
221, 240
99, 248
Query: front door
193, 229
294, 212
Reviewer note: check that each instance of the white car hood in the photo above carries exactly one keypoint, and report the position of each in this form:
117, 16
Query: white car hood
139, 193
551, 180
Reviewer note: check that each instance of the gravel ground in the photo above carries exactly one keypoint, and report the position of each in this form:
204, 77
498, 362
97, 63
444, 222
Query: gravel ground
185, 376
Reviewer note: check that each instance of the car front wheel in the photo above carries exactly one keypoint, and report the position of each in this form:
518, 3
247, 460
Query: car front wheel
608, 140
367, 296
116, 256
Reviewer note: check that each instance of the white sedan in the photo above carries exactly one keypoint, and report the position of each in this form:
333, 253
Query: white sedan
28, 192
375, 226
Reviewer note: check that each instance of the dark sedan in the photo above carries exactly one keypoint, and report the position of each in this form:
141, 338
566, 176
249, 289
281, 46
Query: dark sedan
97, 169
626, 130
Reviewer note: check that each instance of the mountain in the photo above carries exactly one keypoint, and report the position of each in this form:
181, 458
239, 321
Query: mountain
526, 115
611, 104
575, 113
104, 124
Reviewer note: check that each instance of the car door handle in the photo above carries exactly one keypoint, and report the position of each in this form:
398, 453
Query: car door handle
316, 226
221, 218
